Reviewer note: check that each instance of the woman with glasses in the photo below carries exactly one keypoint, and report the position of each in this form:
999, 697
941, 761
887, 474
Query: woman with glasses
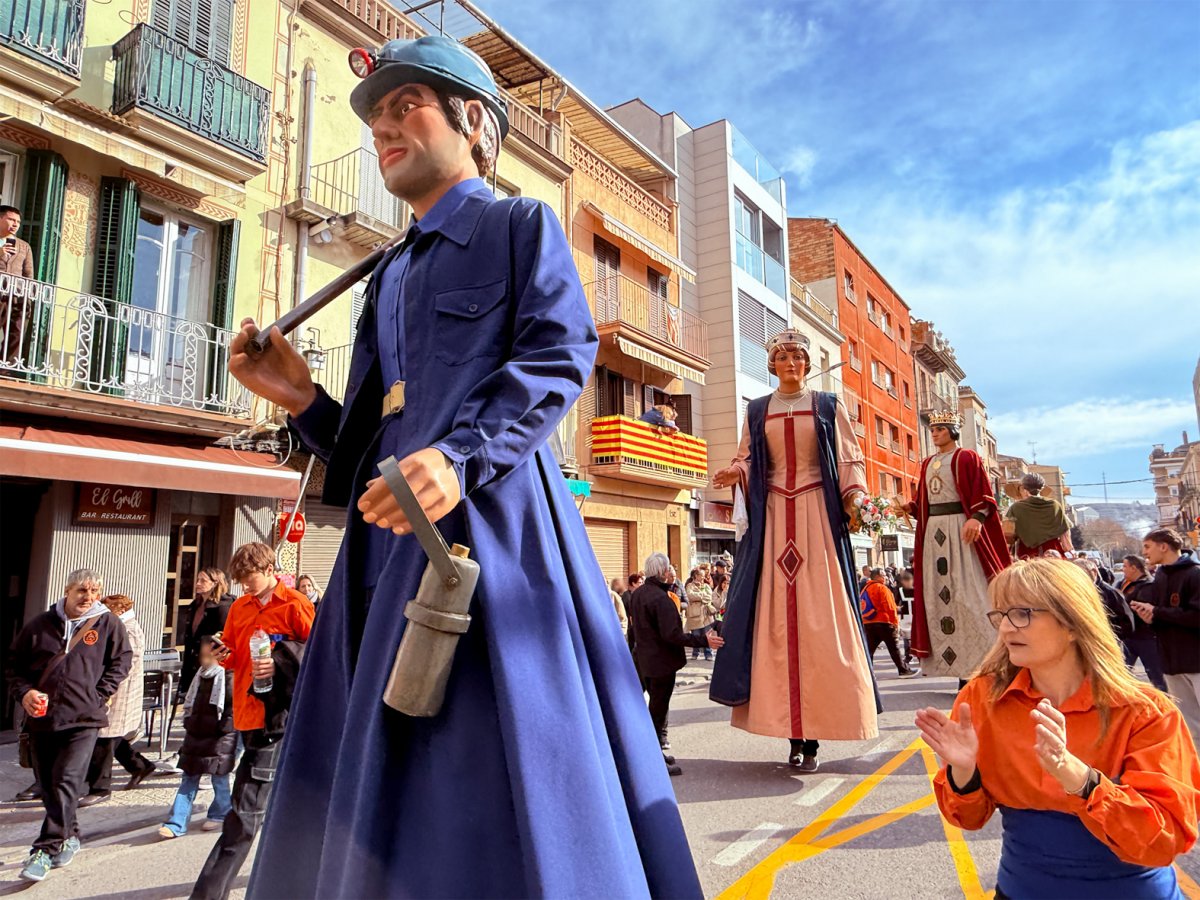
1093, 771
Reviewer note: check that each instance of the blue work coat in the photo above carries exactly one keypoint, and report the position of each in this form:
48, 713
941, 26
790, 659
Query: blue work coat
542, 775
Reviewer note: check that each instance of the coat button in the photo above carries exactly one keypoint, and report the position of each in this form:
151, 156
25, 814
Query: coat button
474, 307
464, 449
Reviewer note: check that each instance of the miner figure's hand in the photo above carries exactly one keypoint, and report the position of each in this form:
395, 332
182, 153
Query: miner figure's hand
432, 478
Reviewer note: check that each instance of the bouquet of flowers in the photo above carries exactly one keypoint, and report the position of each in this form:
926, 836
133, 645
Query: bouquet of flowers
871, 514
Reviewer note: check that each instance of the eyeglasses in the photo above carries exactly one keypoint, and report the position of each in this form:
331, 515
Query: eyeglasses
1018, 616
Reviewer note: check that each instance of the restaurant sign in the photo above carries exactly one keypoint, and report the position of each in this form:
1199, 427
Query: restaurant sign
115, 506
717, 516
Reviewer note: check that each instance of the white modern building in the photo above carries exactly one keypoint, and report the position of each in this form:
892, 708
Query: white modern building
733, 233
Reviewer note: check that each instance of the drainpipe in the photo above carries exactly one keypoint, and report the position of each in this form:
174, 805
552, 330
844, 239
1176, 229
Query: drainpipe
306, 131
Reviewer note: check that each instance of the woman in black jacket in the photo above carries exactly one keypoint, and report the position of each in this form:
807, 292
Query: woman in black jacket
206, 616
1141, 642
209, 744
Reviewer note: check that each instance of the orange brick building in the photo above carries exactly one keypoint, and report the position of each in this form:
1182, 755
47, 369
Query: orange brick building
878, 376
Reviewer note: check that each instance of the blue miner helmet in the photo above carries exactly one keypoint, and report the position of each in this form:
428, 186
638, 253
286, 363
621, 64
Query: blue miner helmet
440, 62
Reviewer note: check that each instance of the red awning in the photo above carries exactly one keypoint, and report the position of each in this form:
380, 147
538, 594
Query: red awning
76, 456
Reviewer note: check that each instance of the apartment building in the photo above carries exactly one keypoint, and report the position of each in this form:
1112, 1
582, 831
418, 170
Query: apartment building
975, 433
938, 374
878, 378
139, 143
733, 233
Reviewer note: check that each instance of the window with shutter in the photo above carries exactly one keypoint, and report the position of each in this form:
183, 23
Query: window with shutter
608, 271
629, 405
683, 411
224, 281
41, 223
112, 279
206, 26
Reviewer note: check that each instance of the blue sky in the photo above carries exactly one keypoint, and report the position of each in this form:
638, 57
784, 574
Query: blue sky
1026, 174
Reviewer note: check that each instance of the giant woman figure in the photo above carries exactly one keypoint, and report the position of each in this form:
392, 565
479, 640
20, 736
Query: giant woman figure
794, 664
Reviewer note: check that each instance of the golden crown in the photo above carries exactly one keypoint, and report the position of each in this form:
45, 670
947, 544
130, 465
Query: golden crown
949, 419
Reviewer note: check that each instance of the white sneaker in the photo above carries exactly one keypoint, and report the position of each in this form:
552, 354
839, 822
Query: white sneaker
205, 783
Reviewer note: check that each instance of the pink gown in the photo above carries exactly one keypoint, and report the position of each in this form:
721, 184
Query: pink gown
810, 677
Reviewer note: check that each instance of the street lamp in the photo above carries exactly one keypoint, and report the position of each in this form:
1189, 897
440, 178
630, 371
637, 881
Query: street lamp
314, 356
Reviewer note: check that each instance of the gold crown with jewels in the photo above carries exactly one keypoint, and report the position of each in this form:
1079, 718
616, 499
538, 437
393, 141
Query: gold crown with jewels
949, 419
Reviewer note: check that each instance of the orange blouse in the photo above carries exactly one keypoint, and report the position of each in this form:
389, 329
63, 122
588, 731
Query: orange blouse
1146, 806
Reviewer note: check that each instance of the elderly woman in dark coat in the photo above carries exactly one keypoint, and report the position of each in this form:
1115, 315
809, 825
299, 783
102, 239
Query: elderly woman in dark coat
209, 744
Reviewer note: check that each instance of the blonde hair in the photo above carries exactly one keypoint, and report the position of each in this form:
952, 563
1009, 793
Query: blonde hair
1063, 589
118, 603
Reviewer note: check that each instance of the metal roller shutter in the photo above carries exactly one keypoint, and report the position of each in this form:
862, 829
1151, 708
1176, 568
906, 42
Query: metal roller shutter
610, 541
324, 527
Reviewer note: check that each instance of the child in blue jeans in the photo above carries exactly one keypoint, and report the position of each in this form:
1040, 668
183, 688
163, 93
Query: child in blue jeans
209, 744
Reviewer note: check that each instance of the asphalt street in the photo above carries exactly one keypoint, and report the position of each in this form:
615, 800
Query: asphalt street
863, 826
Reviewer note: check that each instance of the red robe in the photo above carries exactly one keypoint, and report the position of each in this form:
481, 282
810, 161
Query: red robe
971, 480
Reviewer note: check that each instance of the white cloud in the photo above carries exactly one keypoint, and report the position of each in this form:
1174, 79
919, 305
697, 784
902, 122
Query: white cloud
1084, 288
800, 164
1092, 427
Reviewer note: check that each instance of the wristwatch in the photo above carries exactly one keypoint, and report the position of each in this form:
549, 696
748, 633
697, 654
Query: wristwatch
1090, 784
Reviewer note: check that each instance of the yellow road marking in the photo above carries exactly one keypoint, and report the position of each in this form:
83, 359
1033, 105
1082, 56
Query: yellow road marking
758, 882
1190, 889
964, 864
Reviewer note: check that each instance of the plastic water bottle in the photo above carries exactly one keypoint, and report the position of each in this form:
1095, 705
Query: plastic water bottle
260, 648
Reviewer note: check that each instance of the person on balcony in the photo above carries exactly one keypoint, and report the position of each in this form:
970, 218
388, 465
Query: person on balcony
661, 419
541, 775
959, 548
16, 258
795, 659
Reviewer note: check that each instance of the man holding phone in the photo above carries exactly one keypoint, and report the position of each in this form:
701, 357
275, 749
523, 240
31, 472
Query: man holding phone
66, 664
16, 258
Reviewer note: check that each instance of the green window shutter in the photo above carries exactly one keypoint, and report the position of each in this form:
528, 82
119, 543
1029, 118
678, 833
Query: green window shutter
224, 281
45, 193
225, 273
116, 240
204, 25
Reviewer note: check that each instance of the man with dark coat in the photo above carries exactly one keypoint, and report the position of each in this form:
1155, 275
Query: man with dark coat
1175, 615
658, 640
64, 666
540, 775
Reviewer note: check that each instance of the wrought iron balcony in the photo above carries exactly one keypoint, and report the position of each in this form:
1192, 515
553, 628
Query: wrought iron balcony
628, 448
155, 72
931, 402
49, 31
351, 189
62, 343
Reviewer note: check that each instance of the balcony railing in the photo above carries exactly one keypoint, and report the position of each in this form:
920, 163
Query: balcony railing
335, 372
163, 75
753, 260
68, 340
912, 455
617, 299
629, 448
613, 180
896, 447
933, 402
802, 295
532, 125
352, 183
50, 31
855, 363
757, 166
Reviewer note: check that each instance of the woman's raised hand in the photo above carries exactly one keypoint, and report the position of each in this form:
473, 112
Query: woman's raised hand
955, 742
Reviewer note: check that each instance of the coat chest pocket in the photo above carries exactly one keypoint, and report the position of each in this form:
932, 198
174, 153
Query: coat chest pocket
469, 322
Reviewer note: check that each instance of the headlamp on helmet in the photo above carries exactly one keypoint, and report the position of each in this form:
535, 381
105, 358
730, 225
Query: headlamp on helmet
362, 61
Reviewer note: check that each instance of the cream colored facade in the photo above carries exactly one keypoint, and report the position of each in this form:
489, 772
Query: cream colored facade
975, 433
